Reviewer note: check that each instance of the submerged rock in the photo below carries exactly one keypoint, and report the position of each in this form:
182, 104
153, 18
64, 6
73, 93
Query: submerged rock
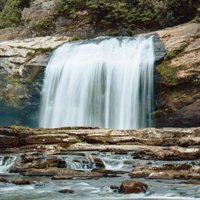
66, 191
132, 186
3, 179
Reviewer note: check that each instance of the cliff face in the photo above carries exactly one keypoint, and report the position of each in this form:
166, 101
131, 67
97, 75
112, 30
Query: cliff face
22, 65
177, 92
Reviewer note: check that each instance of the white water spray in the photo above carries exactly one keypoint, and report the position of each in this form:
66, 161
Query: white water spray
104, 82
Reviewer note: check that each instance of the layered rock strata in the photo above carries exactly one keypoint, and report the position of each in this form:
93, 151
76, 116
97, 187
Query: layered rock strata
168, 153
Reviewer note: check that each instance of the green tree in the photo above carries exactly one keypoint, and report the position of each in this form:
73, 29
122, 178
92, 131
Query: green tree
10, 15
2, 4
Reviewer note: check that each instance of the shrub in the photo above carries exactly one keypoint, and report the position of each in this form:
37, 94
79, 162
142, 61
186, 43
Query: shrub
196, 20
166, 13
43, 26
69, 6
10, 15
75, 37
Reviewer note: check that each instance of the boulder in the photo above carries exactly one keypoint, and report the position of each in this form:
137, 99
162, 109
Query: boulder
132, 186
99, 163
22, 182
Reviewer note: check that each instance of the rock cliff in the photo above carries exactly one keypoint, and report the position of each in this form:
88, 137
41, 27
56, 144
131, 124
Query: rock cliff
177, 93
22, 65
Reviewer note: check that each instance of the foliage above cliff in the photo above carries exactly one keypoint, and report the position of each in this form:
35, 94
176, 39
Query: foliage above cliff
10, 12
127, 14
130, 14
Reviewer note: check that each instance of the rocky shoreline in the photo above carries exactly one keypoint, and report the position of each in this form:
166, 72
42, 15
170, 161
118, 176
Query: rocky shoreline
156, 154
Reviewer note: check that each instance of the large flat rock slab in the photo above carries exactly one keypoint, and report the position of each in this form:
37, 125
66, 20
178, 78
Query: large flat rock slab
94, 138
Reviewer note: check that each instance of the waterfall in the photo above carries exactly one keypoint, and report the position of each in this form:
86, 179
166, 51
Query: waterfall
105, 82
6, 163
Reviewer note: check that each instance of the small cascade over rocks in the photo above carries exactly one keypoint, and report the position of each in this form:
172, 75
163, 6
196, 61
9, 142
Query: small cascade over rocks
6, 162
105, 82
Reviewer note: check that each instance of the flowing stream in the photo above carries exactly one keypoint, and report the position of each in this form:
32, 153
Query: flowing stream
105, 82
43, 188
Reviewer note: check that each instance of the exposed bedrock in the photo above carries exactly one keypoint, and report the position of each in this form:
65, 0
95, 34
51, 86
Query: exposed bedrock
167, 153
22, 66
93, 138
167, 171
177, 80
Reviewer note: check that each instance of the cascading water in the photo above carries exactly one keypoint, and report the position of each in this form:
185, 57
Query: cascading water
6, 163
105, 82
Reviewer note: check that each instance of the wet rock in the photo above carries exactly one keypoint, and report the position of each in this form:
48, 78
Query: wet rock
22, 182
120, 151
106, 171
3, 179
30, 158
41, 162
59, 172
159, 51
114, 187
161, 175
99, 163
39, 172
61, 177
78, 154
168, 154
54, 161
111, 175
140, 174
66, 191
91, 159
78, 173
132, 186
45, 139
190, 182
167, 171
8, 141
